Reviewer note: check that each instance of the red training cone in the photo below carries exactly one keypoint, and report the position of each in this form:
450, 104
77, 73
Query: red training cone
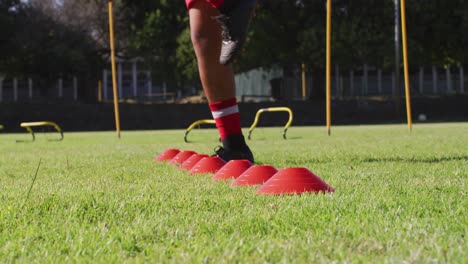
294, 181
167, 155
232, 169
181, 157
190, 162
255, 175
208, 165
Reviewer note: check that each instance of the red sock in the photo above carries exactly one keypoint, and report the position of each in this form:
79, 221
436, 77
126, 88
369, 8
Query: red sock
214, 3
227, 117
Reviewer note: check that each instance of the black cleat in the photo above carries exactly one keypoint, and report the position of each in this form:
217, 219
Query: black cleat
234, 22
228, 155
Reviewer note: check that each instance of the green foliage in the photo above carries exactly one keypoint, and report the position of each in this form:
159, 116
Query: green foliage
155, 29
284, 32
40, 46
9, 13
7, 18
400, 197
362, 32
186, 61
437, 32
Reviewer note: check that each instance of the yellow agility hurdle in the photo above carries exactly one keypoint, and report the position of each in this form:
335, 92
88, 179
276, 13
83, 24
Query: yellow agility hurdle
272, 109
1, 127
28, 126
196, 124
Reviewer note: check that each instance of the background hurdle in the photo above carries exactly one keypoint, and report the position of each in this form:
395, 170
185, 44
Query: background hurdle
28, 125
272, 109
196, 124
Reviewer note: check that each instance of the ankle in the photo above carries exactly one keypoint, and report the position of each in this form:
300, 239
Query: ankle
234, 142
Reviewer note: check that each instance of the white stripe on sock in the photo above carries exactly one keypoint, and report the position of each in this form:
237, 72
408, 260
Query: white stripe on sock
226, 111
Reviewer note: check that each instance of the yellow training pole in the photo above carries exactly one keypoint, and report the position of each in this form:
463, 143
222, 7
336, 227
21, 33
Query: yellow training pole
405, 63
328, 66
114, 77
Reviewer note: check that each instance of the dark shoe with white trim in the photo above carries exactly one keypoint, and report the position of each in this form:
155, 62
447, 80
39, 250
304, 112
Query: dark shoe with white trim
234, 148
228, 155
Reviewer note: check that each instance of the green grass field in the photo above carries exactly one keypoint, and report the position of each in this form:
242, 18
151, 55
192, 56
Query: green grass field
400, 197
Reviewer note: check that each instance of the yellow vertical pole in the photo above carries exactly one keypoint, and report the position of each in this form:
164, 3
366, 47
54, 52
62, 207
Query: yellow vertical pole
114, 77
99, 93
303, 82
405, 63
328, 66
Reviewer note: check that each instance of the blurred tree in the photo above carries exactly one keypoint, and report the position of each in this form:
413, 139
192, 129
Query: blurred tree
47, 37
362, 32
186, 62
156, 31
438, 32
42, 45
291, 34
10, 13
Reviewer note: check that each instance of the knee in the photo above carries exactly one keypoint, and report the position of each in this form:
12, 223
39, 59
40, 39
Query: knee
200, 40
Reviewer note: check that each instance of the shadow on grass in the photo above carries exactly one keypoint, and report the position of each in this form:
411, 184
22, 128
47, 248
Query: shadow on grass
271, 138
316, 160
416, 160
293, 138
304, 162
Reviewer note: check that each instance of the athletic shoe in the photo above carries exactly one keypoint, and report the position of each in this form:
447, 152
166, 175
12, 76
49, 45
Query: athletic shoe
228, 155
234, 23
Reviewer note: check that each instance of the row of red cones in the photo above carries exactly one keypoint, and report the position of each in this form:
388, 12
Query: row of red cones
272, 181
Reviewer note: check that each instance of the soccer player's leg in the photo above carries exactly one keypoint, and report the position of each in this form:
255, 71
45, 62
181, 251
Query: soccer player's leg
234, 19
217, 80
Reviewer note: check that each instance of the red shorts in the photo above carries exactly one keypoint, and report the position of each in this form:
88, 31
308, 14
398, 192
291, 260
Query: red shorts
214, 3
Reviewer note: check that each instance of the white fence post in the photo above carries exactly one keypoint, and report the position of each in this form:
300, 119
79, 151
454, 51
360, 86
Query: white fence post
341, 88
135, 78
30, 88
1, 87
434, 79
462, 80
421, 80
15, 90
150, 83
75, 88
365, 81
119, 77
337, 79
60, 88
448, 75
379, 81
104, 84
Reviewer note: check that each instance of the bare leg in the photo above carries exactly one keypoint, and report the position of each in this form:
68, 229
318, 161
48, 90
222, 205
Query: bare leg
217, 80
